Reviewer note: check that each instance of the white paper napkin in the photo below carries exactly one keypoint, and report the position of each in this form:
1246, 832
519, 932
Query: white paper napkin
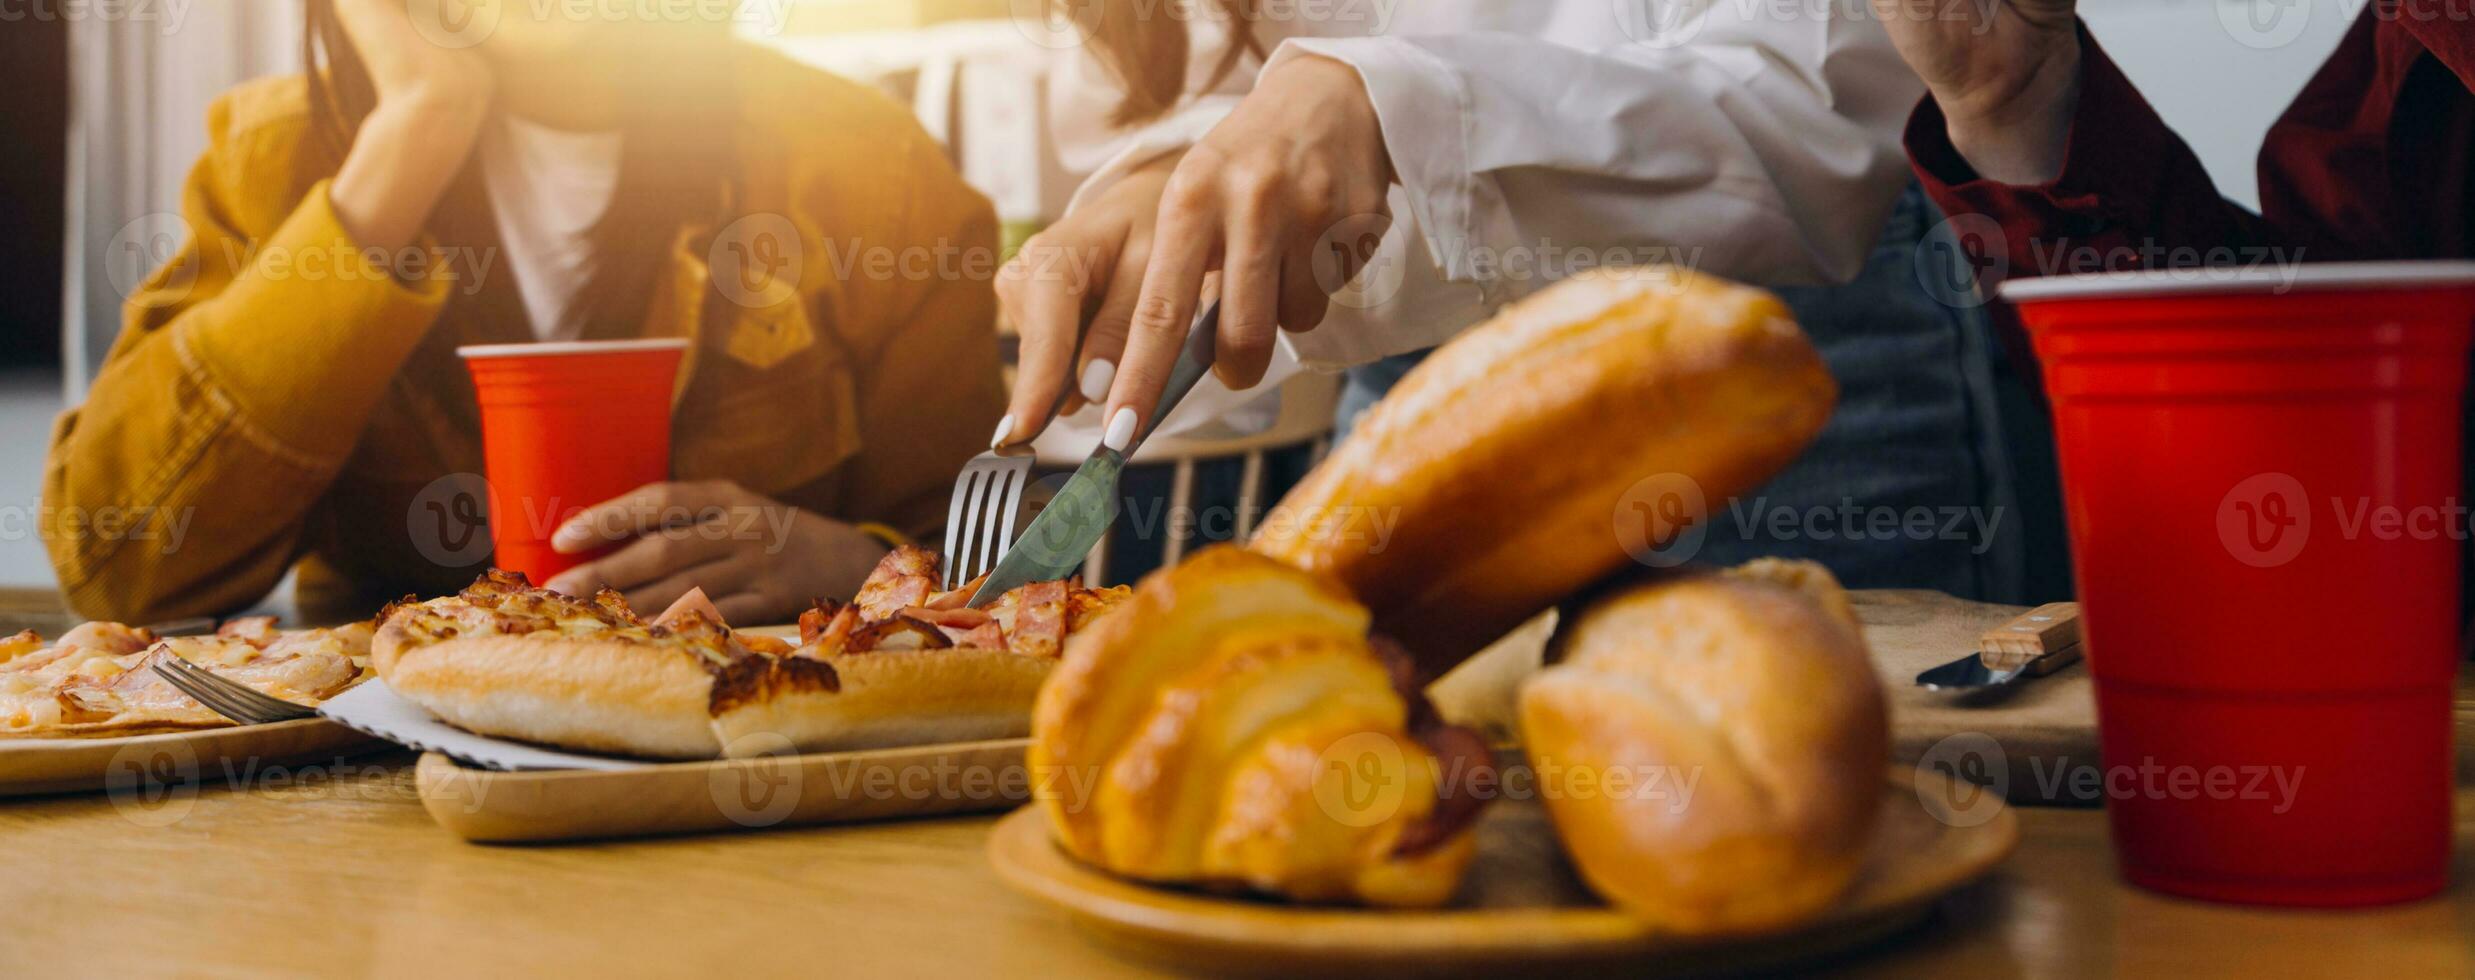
374, 708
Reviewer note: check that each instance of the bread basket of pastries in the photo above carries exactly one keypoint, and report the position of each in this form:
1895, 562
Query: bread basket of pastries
1241, 762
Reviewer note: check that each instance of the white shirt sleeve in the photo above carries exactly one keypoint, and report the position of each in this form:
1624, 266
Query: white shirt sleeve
1758, 147
1754, 141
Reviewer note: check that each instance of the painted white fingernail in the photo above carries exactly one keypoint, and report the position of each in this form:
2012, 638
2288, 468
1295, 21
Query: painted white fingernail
1121, 431
1005, 427
569, 536
1096, 378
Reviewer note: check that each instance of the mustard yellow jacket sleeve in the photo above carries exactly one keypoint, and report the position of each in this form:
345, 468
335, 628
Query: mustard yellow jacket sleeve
245, 371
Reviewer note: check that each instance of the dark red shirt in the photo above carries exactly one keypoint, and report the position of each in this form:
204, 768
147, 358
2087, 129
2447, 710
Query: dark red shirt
2371, 161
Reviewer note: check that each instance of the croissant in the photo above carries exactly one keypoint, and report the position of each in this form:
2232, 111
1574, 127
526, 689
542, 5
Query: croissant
1232, 726
1742, 713
1544, 449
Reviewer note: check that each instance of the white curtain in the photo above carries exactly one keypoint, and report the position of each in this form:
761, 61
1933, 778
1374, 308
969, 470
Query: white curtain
138, 93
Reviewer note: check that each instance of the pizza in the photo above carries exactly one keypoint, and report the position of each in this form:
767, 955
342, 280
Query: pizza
94, 680
900, 664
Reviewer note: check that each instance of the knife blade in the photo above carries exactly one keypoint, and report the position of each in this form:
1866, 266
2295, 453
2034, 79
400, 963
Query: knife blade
2039, 642
1062, 536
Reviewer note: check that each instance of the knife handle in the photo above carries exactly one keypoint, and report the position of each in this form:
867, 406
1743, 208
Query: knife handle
2054, 661
1193, 362
2052, 628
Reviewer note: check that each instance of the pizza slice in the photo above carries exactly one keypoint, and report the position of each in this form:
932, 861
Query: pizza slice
900, 664
94, 680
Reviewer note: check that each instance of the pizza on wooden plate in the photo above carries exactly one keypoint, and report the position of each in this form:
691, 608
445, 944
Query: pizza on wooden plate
901, 664
94, 681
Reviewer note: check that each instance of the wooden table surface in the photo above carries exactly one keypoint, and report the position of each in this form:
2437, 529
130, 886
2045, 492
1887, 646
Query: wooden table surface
338, 870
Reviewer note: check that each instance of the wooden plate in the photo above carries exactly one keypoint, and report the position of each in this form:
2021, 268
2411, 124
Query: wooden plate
723, 795
76, 765
1520, 908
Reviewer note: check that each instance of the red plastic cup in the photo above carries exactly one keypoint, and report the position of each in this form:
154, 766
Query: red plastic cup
2273, 651
565, 426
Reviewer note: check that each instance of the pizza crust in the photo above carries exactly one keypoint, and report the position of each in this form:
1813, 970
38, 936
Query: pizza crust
598, 695
895, 698
902, 664
115, 729
632, 698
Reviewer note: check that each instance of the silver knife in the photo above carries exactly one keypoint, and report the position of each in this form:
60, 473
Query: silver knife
2039, 642
1061, 537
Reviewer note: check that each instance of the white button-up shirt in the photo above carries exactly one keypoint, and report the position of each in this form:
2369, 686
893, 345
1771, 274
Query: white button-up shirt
1753, 139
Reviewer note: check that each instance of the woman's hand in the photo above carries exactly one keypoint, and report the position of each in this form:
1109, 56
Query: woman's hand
759, 560
1088, 264
1254, 205
432, 101
2006, 74
404, 66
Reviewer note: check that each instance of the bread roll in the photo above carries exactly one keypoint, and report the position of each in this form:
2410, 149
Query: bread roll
1491, 484
1190, 738
1712, 746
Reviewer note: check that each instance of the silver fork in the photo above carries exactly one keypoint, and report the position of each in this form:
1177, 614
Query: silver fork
979, 524
224, 697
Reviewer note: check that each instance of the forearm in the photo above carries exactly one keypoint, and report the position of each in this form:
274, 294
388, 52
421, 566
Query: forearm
159, 501
249, 367
1738, 153
308, 332
406, 154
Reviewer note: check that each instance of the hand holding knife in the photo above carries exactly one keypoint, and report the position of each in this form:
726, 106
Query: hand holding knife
1059, 539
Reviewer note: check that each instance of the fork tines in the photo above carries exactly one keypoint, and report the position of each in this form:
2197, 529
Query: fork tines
221, 696
979, 525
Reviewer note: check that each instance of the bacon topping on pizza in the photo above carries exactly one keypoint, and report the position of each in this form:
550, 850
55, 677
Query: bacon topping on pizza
899, 609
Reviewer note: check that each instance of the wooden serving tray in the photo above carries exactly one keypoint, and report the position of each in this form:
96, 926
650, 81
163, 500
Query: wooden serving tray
1520, 909
724, 795
30, 766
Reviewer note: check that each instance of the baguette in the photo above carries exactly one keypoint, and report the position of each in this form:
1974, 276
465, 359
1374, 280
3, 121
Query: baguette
1492, 483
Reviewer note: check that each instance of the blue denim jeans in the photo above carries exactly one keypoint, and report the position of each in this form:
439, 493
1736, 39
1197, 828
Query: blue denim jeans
1910, 485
